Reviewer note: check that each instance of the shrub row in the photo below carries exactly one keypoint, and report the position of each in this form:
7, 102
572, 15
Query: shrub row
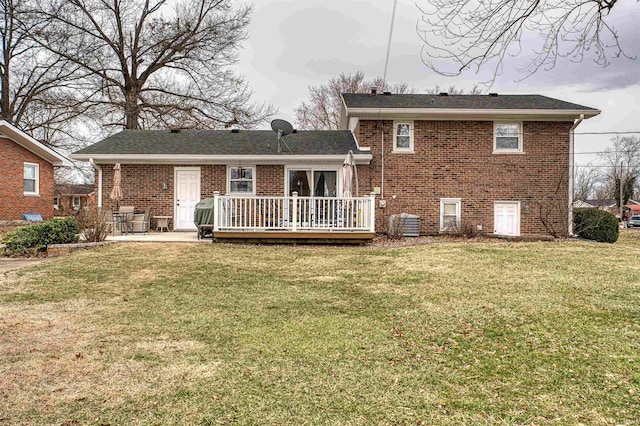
36, 237
596, 225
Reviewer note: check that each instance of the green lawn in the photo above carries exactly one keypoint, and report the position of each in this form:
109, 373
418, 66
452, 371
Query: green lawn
446, 333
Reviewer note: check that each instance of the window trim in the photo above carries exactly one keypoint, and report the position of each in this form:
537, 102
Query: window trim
254, 180
37, 179
520, 149
458, 202
395, 137
73, 204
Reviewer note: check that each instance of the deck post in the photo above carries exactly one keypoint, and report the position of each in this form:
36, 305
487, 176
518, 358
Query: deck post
216, 210
372, 215
294, 214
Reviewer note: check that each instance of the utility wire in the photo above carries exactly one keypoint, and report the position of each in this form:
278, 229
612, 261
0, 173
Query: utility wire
386, 61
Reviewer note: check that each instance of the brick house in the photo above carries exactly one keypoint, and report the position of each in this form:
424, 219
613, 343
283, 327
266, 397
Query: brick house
70, 198
26, 178
499, 163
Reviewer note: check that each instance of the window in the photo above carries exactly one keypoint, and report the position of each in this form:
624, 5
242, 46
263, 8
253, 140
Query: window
317, 183
403, 136
507, 137
31, 177
56, 203
449, 214
241, 180
76, 203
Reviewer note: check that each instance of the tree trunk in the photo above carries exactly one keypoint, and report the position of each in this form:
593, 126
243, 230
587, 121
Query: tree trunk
131, 109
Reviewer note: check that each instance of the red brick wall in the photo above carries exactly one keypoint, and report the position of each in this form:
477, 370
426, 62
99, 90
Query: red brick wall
456, 160
142, 184
13, 202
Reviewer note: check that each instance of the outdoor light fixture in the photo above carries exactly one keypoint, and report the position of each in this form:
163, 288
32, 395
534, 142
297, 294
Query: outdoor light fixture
165, 184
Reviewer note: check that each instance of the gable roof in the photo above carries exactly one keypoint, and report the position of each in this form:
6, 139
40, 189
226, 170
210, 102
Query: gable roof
212, 145
21, 138
479, 102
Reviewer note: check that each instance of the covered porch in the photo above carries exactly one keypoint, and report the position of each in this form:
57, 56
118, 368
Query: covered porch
294, 218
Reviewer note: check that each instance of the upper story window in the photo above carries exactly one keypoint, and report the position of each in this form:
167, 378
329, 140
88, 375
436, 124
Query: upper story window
241, 180
403, 136
31, 179
507, 137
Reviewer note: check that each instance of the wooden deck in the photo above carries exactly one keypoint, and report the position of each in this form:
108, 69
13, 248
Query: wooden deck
302, 237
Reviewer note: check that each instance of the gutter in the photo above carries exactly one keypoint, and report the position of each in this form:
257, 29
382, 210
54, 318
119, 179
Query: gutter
99, 169
571, 174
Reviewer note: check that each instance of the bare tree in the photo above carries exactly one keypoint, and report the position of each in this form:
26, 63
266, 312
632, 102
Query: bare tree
155, 63
322, 110
35, 86
481, 33
622, 167
453, 90
585, 182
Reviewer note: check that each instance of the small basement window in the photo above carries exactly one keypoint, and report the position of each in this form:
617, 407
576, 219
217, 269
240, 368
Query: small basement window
31, 179
241, 180
450, 210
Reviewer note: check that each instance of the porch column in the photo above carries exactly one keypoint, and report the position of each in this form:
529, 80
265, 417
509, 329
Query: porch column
216, 210
372, 214
294, 214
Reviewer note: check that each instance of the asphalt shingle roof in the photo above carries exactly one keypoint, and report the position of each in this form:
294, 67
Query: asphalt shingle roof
480, 102
223, 142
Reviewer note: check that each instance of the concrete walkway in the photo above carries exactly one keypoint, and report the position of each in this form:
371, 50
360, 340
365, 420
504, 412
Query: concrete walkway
9, 264
160, 237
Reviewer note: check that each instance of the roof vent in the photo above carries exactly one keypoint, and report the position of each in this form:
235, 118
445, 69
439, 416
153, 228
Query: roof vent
374, 91
175, 130
493, 94
235, 130
443, 94
386, 93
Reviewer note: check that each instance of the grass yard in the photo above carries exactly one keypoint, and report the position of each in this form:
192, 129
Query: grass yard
446, 333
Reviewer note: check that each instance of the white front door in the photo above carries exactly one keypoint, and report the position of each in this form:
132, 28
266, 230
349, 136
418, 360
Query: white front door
506, 218
187, 195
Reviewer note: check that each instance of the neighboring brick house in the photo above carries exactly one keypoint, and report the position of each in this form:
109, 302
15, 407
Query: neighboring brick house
475, 160
70, 198
26, 176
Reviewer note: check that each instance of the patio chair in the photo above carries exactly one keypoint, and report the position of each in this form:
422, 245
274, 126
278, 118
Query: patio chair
107, 214
127, 218
141, 222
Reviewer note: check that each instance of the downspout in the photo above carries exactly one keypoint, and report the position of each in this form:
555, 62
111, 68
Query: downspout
382, 161
571, 173
99, 169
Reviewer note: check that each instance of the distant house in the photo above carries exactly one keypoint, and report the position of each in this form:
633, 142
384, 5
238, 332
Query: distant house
453, 160
610, 205
71, 197
26, 176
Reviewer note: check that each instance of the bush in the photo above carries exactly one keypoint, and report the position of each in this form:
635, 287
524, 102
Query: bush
93, 224
597, 225
36, 237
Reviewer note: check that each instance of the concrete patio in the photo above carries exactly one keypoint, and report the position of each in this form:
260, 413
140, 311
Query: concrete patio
159, 237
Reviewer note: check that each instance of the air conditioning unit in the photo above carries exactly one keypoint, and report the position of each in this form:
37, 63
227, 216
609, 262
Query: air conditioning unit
405, 224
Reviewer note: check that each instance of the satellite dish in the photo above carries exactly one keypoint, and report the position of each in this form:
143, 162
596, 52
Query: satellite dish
282, 128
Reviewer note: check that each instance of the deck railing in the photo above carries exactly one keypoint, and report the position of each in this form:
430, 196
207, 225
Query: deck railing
294, 214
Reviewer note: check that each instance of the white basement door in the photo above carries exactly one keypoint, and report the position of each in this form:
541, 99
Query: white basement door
506, 219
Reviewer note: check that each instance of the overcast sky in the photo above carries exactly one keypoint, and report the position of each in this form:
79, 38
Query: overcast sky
294, 45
